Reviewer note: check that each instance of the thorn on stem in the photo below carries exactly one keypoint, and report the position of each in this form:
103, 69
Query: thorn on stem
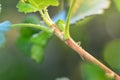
79, 43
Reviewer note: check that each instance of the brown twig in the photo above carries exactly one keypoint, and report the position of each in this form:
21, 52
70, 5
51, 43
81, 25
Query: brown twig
72, 44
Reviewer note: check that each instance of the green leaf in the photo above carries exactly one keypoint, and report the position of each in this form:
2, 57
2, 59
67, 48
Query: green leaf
85, 8
37, 53
35, 5
41, 4
40, 41
27, 31
93, 72
26, 7
23, 42
112, 54
32, 19
41, 38
117, 2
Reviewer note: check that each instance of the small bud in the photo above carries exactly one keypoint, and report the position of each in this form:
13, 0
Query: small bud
110, 75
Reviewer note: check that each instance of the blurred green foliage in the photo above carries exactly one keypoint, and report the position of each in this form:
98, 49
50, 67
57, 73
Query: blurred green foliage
112, 54
24, 40
40, 42
60, 60
117, 2
92, 72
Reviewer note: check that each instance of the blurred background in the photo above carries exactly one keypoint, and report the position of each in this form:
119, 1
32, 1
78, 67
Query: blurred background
94, 33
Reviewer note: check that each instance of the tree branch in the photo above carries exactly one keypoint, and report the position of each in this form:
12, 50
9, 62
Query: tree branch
72, 44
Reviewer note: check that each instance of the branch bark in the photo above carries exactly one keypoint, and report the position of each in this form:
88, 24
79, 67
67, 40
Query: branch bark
72, 44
